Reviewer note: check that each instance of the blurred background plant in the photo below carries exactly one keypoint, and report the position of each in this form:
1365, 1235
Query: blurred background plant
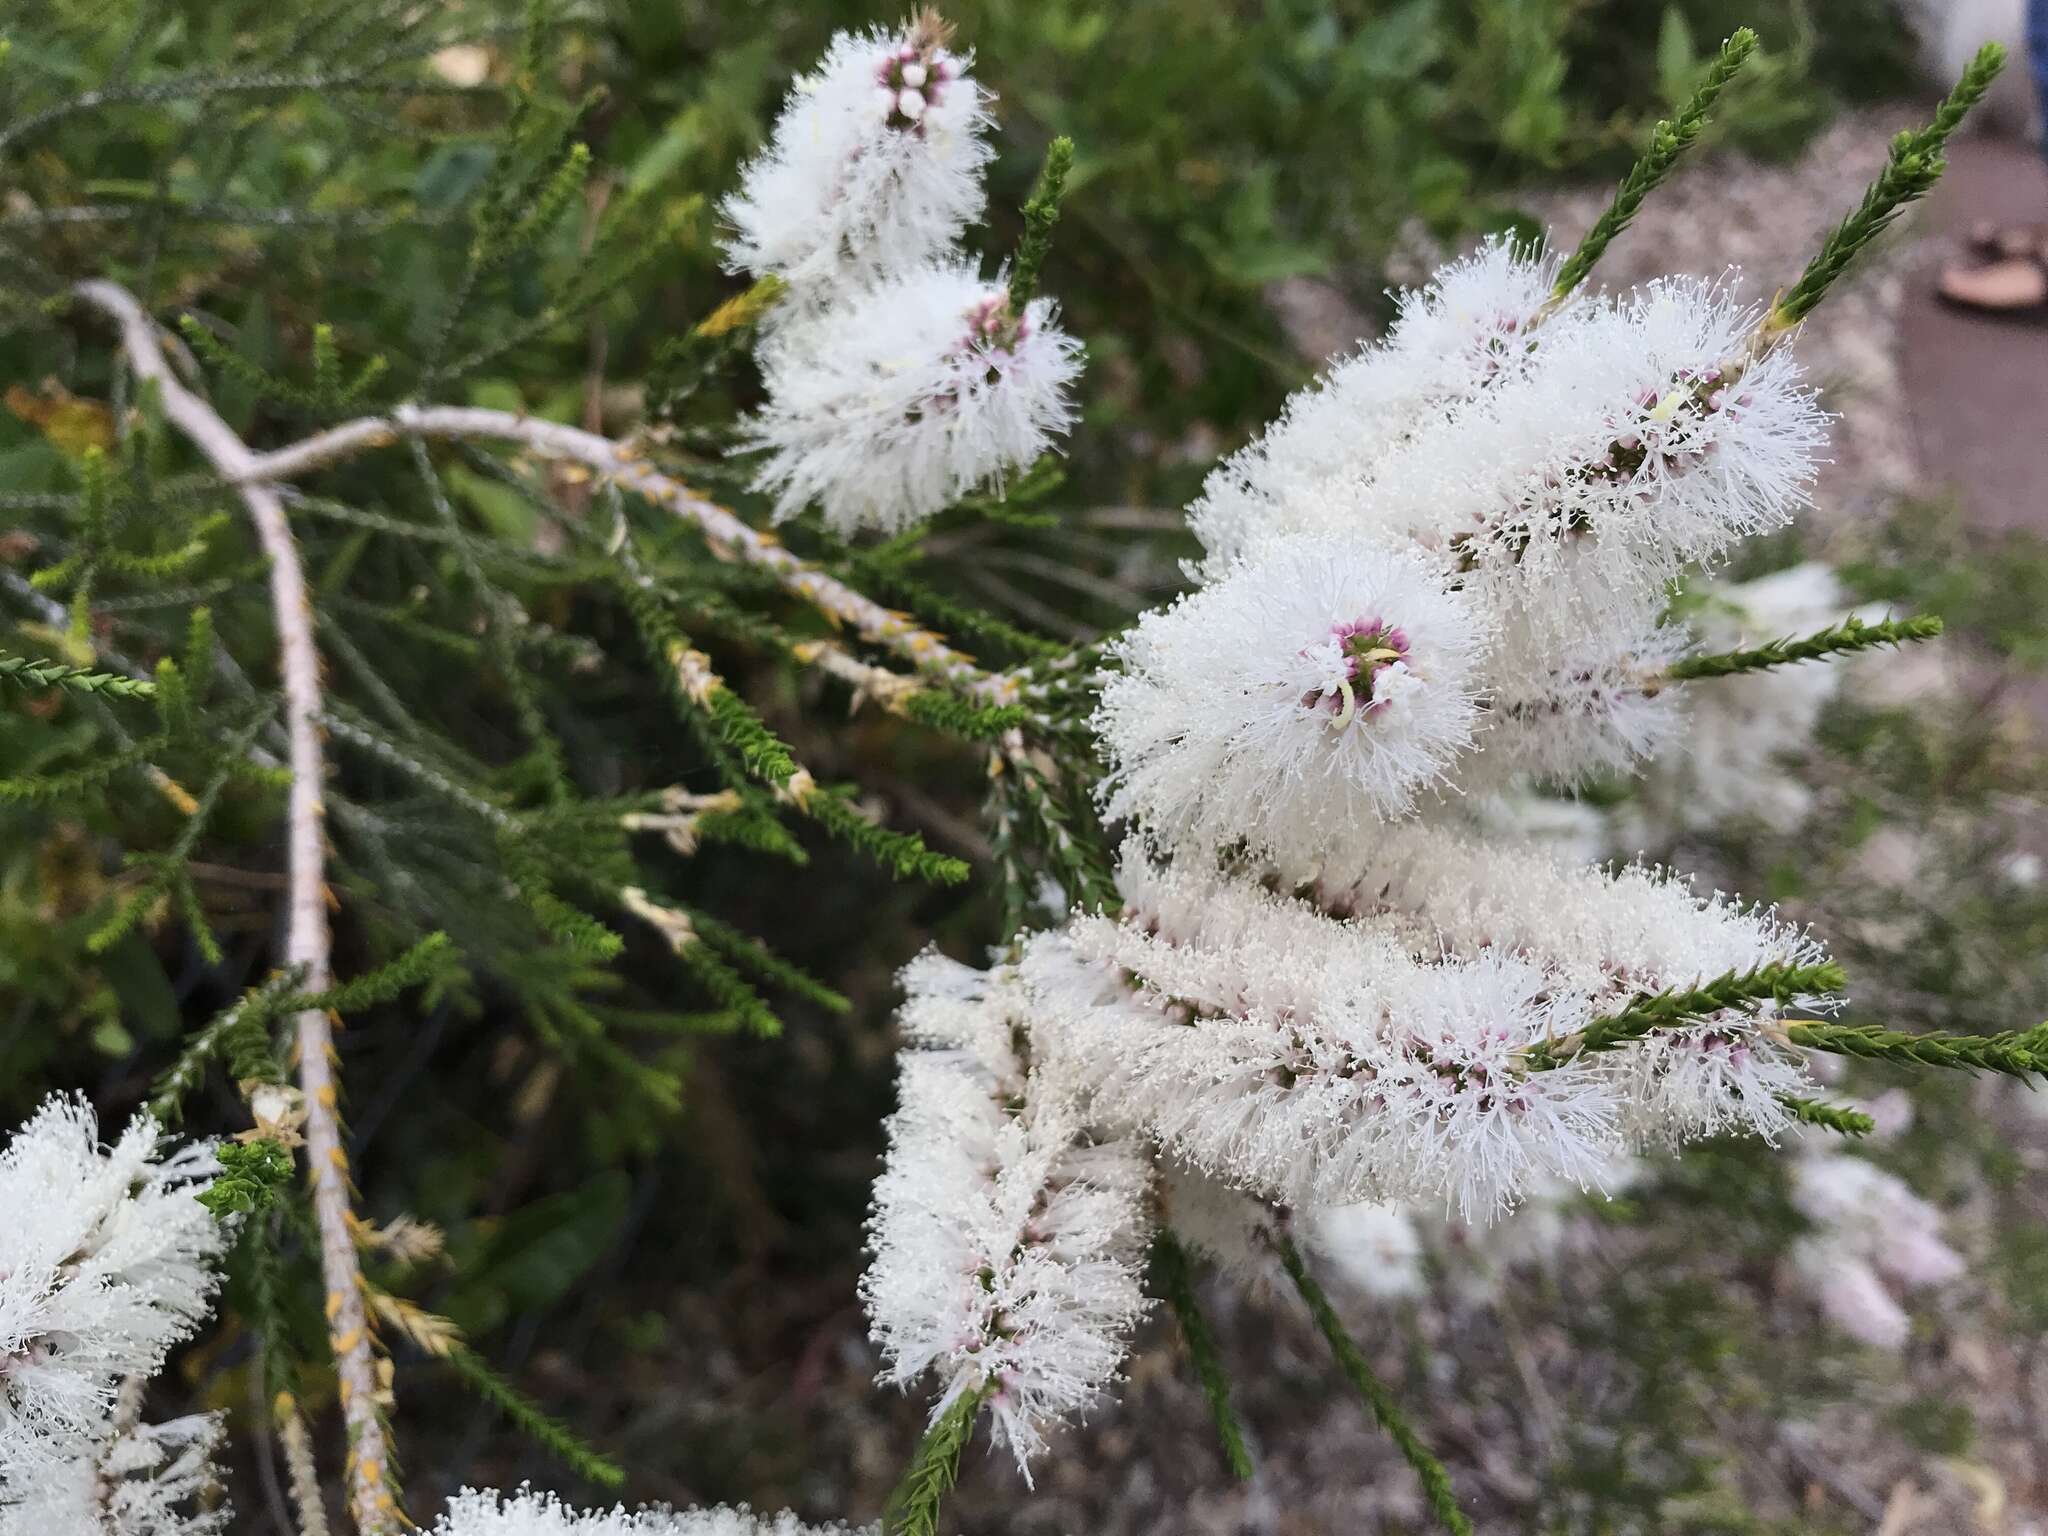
651, 1185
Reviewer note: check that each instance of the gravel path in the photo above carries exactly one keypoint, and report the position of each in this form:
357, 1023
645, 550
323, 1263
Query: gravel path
1978, 386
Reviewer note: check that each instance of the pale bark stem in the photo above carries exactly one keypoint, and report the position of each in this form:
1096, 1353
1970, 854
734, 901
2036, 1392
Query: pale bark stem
306, 932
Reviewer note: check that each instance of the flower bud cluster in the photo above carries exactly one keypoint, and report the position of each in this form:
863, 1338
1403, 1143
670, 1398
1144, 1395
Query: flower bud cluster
898, 379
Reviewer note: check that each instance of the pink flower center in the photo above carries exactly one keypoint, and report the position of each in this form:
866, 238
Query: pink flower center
1367, 646
913, 79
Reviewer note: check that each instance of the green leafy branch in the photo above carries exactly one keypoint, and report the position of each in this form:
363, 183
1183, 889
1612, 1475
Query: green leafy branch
254, 1175
416, 966
531, 1420
1436, 1482
36, 676
1827, 1117
1175, 1274
1845, 638
2015, 1053
169, 875
328, 392
1669, 140
1911, 170
241, 1032
1735, 991
1041, 213
741, 741
913, 1509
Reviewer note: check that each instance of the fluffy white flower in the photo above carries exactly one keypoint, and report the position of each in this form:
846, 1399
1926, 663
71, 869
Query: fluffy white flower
1566, 710
1601, 937
890, 406
1468, 330
875, 165
1627, 437
1556, 472
487, 1512
1849, 1292
1665, 445
1743, 727
1383, 1053
1217, 1221
1869, 1227
1008, 1242
106, 1260
1622, 450
1376, 1248
148, 1480
1302, 700
1316, 1061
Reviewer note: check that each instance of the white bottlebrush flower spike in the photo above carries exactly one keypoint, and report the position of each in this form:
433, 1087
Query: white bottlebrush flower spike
1308, 696
1556, 469
144, 1480
1620, 452
894, 404
875, 166
1383, 1053
1651, 439
485, 1512
106, 1260
1588, 458
1008, 1242
1603, 937
1465, 332
1317, 1061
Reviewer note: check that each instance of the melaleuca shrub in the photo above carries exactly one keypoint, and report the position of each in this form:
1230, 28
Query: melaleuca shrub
495, 682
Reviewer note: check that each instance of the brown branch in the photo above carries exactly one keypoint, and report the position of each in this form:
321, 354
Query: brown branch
306, 933
729, 536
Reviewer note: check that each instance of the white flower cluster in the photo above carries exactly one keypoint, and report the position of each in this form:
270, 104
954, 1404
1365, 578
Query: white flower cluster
1298, 709
486, 1512
1743, 728
875, 165
1512, 485
140, 1480
1869, 1228
1871, 1237
1603, 936
1375, 1044
106, 1260
1327, 1010
1008, 1240
898, 379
